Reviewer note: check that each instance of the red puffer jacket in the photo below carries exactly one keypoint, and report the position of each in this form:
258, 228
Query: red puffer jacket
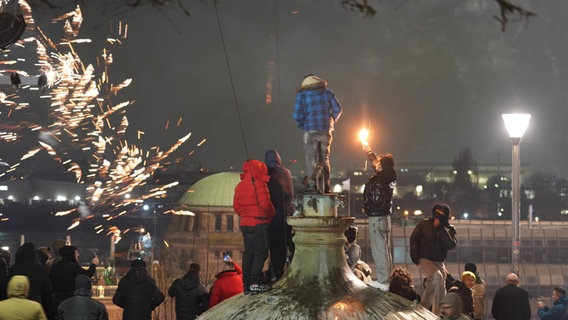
252, 198
229, 283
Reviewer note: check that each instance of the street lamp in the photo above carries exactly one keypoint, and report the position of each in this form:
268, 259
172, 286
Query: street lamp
516, 125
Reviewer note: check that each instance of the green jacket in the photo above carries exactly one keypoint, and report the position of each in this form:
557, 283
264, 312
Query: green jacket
17, 306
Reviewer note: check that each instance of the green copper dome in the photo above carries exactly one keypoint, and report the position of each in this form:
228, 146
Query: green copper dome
214, 191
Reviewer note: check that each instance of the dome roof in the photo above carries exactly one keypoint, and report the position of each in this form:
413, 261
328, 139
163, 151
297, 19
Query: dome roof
214, 191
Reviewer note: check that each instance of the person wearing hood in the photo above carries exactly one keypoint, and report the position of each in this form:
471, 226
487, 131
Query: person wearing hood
137, 293
192, 298
229, 283
377, 205
450, 305
17, 306
558, 310
64, 271
252, 203
464, 290
316, 110
281, 190
28, 264
429, 244
479, 291
81, 305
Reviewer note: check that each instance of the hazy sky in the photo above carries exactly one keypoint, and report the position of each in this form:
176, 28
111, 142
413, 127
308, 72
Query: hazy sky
429, 77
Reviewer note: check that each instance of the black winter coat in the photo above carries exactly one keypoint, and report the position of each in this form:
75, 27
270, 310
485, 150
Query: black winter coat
192, 298
137, 294
431, 243
81, 306
511, 302
63, 275
377, 196
466, 297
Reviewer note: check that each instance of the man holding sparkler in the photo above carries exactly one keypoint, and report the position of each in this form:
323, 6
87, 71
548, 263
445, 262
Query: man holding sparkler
377, 205
316, 111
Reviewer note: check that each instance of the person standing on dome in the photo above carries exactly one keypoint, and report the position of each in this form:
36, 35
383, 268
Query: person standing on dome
316, 111
252, 203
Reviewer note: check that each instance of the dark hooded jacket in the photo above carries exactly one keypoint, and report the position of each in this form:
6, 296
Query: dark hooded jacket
192, 298
281, 188
137, 294
63, 274
81, 305
427, 241
4, 269
28, 264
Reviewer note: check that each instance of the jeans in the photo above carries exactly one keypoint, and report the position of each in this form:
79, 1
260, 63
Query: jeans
256, 252
381, 246
434, 274
317, 146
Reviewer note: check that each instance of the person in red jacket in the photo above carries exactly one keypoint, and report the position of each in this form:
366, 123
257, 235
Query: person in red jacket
252, 203
229, 283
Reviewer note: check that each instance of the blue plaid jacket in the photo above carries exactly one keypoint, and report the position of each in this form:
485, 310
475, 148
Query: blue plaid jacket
316, 109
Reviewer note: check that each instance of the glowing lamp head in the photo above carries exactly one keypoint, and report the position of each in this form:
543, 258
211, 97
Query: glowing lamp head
516, 124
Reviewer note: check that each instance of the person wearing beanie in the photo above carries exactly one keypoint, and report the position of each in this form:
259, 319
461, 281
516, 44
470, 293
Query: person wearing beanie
316, 110
429, 244
451, 308
64, 271
81, 305
463, 288
377, 205
192, 298
281, 190
479, 291
17, 306
137, 293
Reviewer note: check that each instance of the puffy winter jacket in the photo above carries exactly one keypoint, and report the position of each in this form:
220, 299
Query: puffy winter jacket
192, 298
252, 198
137, 294
81, 305
431, 243
229, 283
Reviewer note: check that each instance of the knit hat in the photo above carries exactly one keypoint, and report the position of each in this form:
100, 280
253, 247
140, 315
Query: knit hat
468, 273
442, 212
83, 282
470, 266
138, 263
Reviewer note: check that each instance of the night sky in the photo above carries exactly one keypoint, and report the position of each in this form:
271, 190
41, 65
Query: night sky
429, 77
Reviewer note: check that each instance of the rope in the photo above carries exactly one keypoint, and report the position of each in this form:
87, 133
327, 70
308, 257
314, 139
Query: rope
231, 79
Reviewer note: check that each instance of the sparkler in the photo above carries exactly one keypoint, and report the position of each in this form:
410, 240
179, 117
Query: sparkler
364, 137
82, 122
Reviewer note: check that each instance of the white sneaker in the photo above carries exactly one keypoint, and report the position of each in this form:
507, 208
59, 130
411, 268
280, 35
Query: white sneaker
380, 286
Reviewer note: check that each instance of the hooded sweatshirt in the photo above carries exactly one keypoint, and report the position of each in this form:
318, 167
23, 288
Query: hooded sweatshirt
252, 198
453, 300
17, 306
192, 298
81, 305
28, 264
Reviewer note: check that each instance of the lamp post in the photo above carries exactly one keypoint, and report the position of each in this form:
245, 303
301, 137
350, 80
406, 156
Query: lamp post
516, 125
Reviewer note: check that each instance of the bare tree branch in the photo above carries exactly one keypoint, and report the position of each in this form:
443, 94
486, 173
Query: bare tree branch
507, 8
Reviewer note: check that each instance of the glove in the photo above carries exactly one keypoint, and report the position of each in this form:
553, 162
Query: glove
451, 230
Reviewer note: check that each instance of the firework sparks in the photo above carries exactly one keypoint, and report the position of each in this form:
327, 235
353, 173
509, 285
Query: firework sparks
82, 121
